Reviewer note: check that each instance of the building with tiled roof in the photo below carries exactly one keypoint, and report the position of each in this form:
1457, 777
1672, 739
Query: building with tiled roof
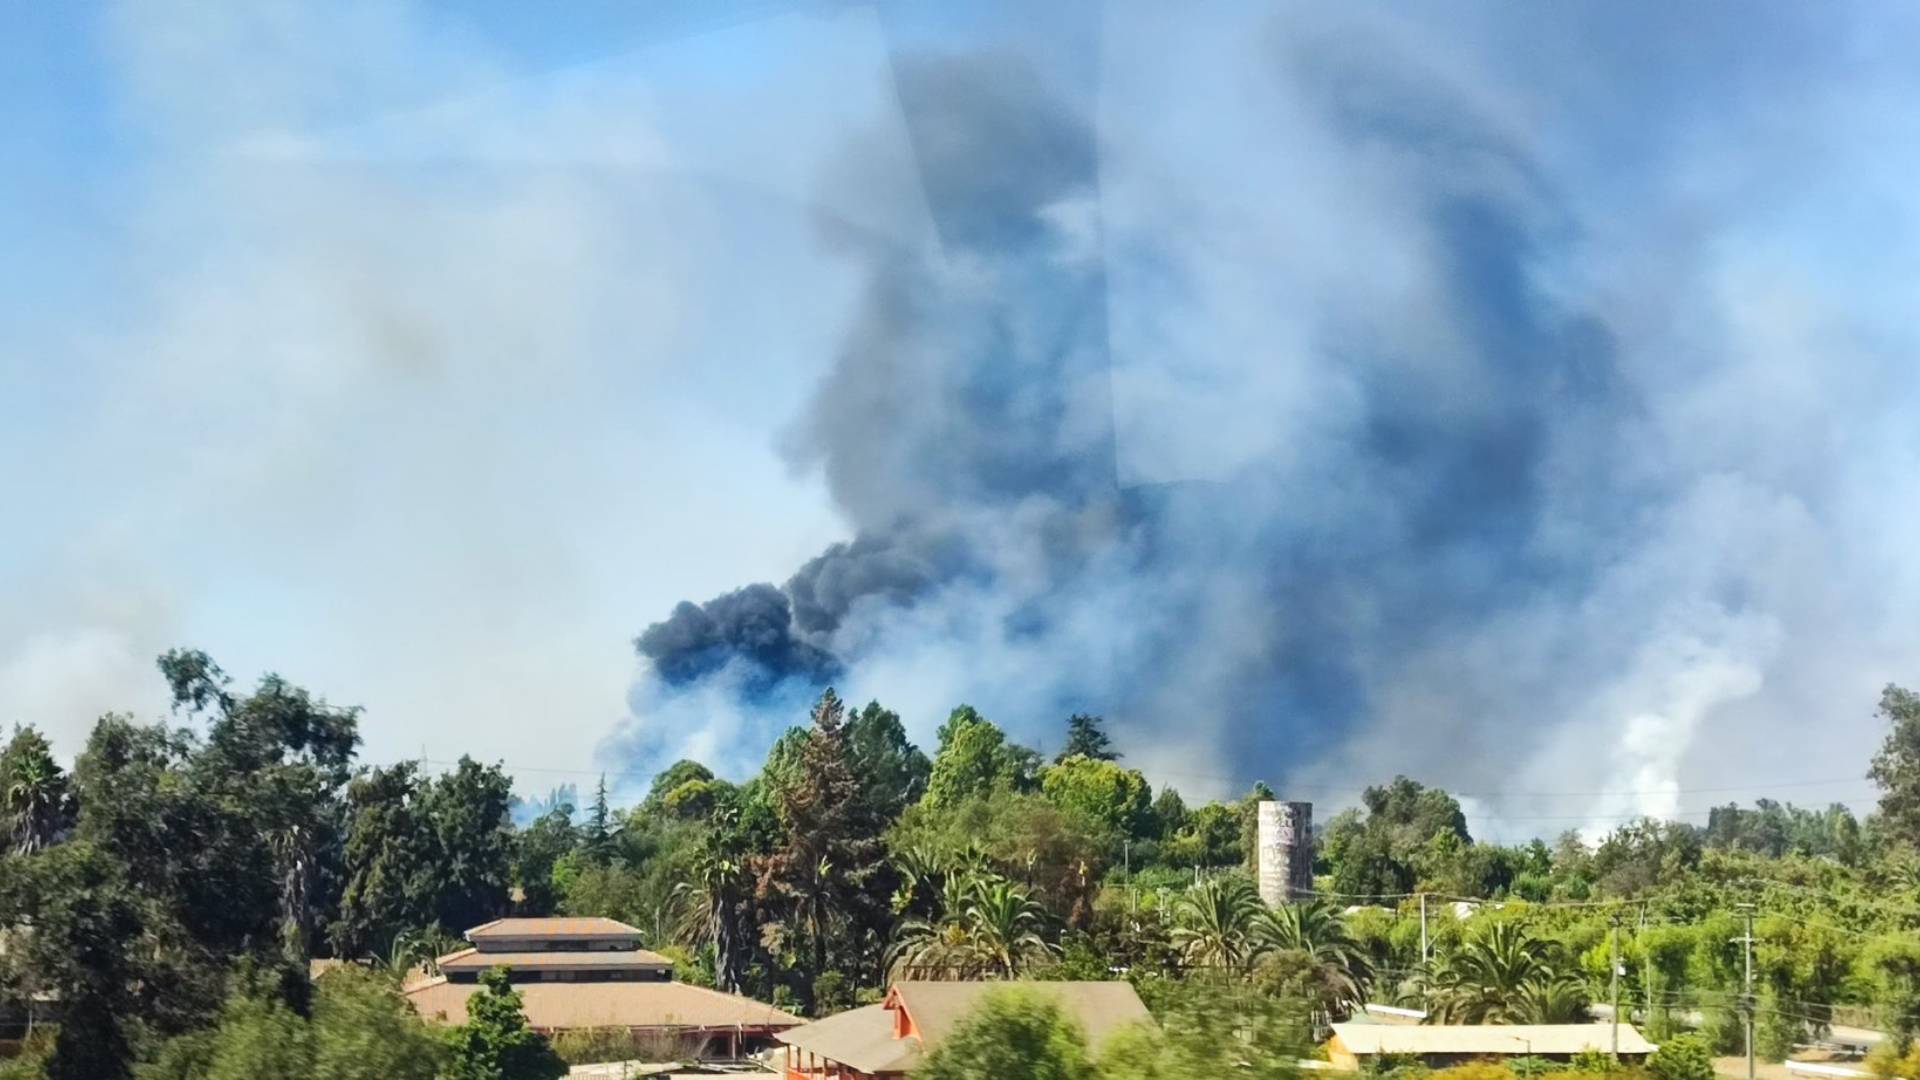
885, 1041
574, 973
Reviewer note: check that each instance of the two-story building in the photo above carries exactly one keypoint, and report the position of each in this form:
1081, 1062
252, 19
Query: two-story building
576, 973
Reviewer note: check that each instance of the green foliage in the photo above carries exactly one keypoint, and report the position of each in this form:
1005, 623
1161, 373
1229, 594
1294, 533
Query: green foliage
1209, 837
1211, 1029
975, 759
982, 926
1057, 851
1896, 767
1117, 797
360, 1029
893, 773
495, 1043
423, 852
1406, 832
826, 884
591, 1046
1085, 738
35, 793
1682, 1057
537, 850
1502, 975
1012, 1033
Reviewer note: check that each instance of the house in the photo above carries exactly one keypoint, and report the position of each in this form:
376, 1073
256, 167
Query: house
885, 1041
576, 973
1354, 1046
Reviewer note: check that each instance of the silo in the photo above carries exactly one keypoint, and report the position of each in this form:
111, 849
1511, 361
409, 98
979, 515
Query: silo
1285, 851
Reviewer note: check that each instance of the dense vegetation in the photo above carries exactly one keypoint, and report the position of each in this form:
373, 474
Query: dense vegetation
170, 891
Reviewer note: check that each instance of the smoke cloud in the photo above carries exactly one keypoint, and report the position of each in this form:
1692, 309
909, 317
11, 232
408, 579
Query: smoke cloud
1315, 407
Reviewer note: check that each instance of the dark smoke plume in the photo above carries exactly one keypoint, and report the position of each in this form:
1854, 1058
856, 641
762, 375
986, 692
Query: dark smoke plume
1313, 454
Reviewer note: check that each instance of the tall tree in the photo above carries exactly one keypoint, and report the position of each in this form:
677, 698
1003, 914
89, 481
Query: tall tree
891, 770
1086, 738
35, 792
828, 875
390, 854
537, 849
596, 839
1117, 797
1896, 768
976, 759
469, 808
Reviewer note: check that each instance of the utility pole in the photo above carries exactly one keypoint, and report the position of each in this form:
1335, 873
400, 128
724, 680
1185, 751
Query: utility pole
1613, 970
1646, 963
1423, 928
1746, 999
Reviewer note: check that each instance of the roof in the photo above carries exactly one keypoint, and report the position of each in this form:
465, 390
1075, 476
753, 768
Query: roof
1100, 1008
475, 960
863, 1037
556, 927
1487, 1038
561, 1005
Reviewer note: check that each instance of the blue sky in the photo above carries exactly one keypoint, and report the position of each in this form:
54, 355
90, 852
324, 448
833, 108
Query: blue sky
426, 355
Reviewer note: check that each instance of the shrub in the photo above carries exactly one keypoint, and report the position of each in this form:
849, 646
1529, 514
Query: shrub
593, 1046
1682, 1057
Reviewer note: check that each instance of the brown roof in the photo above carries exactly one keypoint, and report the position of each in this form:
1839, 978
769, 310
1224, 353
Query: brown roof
557, 927
562, 1005
1493, 1039
475, 960
863, 1038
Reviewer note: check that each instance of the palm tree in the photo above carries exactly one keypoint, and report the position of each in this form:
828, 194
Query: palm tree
34, 790
1216, 923
985, 925
1503, 976
1315, 929
712, 901
942, 942
1005, 923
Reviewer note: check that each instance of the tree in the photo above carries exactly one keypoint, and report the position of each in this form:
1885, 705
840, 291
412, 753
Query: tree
1117, 797
364, 1030
537, 849
1014, 1032
596, 838
1216, 923
34, 791
1211, 1029
469, 811
495, 1043
390, 855
976, 759
892, 771
1681, 1057
98, 946
1338, 972
1085, 738
1896, 768
420, 853
1503, 976
827, 876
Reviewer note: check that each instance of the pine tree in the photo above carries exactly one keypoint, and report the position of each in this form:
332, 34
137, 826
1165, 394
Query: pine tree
1085, 738
597, 839
825, 877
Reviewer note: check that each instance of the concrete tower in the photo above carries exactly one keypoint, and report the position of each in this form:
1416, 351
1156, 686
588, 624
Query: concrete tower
1285, 851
